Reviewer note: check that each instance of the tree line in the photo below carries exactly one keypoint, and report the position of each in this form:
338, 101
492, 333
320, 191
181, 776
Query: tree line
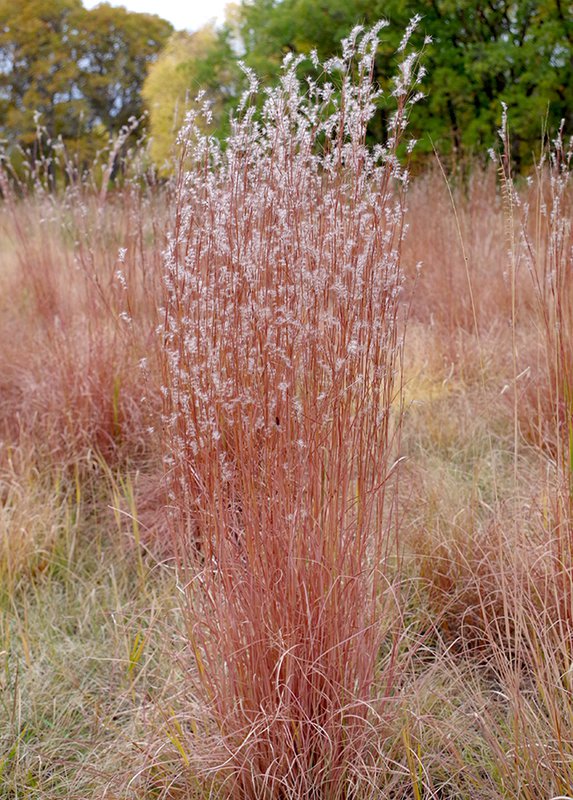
86, 73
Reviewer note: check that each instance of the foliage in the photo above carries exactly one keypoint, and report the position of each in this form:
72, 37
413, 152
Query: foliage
481, 54
78, 73
84, 72
520, 53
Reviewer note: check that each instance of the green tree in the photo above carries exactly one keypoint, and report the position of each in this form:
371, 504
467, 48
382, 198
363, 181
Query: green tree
39, 53
481, 54
485, 53
76, 73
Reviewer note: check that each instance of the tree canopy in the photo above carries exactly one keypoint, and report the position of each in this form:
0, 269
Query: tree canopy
481, 54
75, 72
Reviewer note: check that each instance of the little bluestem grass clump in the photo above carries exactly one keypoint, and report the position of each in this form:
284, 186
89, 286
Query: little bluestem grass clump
282, 346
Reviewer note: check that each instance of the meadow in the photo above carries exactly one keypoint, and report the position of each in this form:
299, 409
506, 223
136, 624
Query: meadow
286, 453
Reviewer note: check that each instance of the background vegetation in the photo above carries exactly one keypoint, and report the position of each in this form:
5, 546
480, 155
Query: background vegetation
74, 73
480, 54
88, 72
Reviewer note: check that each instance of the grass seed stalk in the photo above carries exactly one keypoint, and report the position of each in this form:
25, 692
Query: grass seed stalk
282, 345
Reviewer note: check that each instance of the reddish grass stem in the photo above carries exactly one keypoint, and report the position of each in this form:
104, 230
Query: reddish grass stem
282, 345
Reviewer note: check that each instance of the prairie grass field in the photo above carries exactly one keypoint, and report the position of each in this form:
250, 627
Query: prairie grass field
286, 453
